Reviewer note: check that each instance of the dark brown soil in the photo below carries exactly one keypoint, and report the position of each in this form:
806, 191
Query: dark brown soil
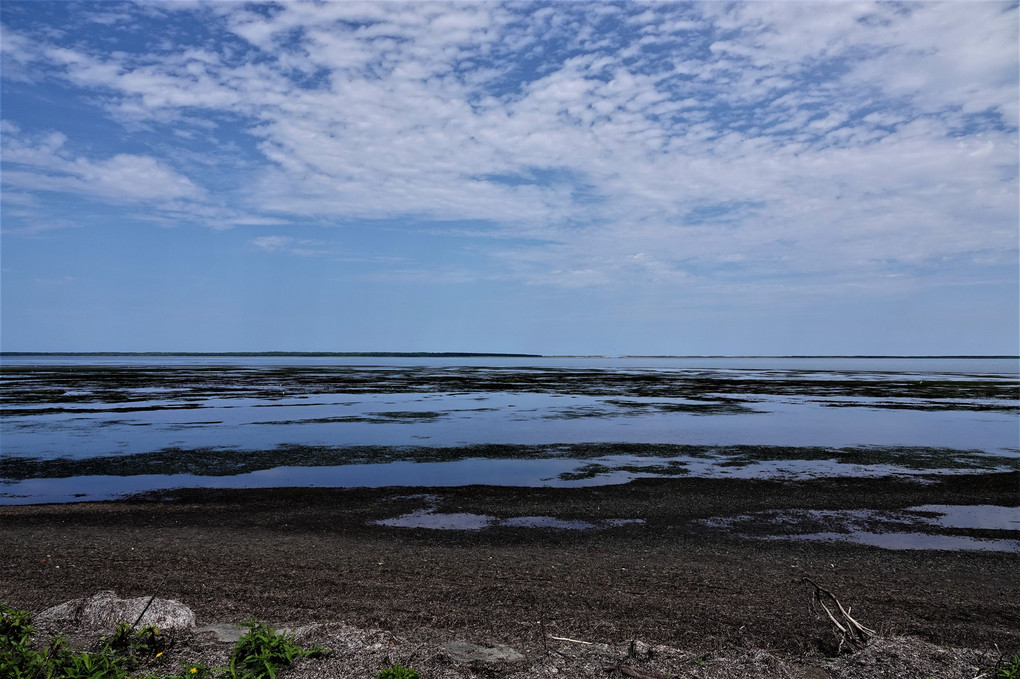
298, 556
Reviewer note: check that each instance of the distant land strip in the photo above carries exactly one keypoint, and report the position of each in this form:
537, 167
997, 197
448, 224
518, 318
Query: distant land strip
342, 354
474, 354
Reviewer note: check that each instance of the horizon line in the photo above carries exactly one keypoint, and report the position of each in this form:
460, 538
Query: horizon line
485, 354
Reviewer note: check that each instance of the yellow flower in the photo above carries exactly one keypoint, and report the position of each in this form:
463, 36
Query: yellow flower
194, 670
159, 654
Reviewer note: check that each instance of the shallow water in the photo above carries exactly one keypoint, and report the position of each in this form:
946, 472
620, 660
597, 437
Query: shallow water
428, 518
919, 527
87, 407
548, 472
985, 517
449, 419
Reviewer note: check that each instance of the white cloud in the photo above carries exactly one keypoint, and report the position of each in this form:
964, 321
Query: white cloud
294, 246
43, 164
810, 138
272, 243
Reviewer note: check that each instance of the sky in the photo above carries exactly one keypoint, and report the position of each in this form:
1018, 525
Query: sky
758, 178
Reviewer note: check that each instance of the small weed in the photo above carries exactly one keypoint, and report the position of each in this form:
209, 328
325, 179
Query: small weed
398, 671
1011, 670
258, 654
14, 624
192, 670
88, 666
135, 647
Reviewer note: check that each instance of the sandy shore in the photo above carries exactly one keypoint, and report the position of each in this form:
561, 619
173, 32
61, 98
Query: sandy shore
294, 556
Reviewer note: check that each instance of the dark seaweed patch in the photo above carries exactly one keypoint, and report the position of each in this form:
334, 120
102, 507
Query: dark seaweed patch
410, 415
710, 407
914, 457
930, 406
21, 412
21, 385
387, 417
593, 469
230, 461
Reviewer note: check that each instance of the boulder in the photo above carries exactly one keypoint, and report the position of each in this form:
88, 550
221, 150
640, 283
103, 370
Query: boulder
101, 612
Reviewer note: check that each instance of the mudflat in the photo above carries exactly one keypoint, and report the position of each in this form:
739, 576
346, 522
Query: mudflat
650, 565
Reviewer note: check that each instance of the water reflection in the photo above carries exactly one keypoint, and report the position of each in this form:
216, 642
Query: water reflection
919, 527
92, 407
462, 419
429, 518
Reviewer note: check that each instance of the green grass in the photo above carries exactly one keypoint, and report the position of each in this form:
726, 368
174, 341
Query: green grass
398, 671
1008, 669
258, 654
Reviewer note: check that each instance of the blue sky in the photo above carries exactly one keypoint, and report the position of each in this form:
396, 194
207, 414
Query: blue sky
571, 177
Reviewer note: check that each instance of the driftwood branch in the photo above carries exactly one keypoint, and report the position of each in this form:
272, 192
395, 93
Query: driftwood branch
850, 632
151, 599
573, 641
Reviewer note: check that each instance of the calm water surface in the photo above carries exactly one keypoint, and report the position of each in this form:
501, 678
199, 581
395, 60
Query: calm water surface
74, 420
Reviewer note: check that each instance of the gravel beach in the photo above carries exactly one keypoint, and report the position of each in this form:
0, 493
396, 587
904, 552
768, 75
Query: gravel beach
648, 567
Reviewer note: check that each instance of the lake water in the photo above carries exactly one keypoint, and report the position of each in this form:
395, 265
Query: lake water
82, 409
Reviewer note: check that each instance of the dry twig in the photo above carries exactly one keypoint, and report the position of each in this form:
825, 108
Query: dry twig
573, 641
851, 632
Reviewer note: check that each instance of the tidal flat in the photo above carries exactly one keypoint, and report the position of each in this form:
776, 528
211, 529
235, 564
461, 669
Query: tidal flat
92, 431
661, 502
713, 567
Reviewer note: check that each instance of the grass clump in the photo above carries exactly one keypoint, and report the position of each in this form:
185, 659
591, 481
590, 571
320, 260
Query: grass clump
398, 671
133, 646
258, 654
1008, 669
189, 670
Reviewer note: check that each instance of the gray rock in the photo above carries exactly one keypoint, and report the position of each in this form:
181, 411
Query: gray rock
231, 632
227, 632
465, 652
101, 612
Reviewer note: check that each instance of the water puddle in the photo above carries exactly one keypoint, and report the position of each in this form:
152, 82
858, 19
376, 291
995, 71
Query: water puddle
913, 541
911, 528
429, 518
426, 518
988, 517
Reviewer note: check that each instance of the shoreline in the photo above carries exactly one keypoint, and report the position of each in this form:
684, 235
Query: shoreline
299, 556
472, 354
29, 480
